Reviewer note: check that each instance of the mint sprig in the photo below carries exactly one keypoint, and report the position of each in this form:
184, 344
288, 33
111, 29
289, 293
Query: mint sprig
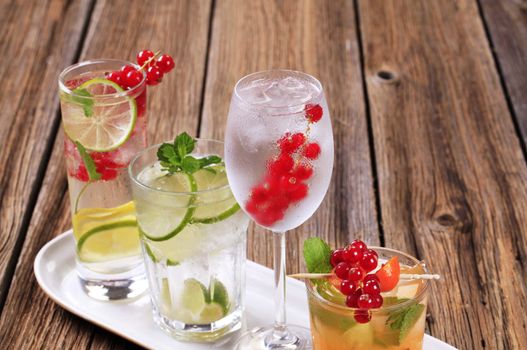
175, 157
316, 255
83, 98
93, 174
403, 320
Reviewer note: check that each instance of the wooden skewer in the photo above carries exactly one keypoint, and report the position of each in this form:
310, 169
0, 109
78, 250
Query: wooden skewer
403, 276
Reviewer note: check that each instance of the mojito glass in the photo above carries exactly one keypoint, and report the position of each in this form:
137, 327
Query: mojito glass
104, 127
398, 325
193, 235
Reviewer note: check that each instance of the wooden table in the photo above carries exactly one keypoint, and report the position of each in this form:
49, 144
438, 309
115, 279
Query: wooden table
428, 100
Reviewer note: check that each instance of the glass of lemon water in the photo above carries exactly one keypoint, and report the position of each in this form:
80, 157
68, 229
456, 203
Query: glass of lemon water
104, 126
193, 237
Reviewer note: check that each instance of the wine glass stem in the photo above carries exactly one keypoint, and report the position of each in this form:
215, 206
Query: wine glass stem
280, 331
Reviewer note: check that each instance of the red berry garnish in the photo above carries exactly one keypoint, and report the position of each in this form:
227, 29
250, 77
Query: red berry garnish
362, 316
289, 183
336, 257
82, 174
371, 277
371, 251
302, 172
165, 63
347, 287
126, 69
377, 301
352, 299
313, 112
312, 151
132, 78
281, 166
299, 193
368, 261
153, 75
259, 194
352, 254
359, 245
116, 77
342, 270
290, 143
365, 301
355, 274
372, 288
144, 56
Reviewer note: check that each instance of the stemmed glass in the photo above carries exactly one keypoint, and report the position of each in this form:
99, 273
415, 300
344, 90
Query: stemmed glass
279, 158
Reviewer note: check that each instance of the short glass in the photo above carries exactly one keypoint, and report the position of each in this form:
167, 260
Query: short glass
395, 326
194, 245
104, 127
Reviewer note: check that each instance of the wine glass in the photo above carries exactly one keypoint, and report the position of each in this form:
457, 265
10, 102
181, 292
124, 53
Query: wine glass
279, 158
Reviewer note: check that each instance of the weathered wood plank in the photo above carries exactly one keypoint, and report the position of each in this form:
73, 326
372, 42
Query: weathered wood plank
318, 38
507, 25
38, 37
181, 29
452, 178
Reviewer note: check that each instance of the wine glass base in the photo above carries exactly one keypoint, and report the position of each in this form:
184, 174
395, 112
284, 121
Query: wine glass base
263, 338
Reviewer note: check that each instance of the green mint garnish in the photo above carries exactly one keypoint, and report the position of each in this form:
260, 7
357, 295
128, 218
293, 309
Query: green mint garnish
88, 162
403, 320
174, 157
81, 97
317, 254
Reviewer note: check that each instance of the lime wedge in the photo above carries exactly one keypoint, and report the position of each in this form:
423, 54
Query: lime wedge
171, 213
212, 312
217, 204
360, 336
106, 233
109, 125
220, 296
193, 297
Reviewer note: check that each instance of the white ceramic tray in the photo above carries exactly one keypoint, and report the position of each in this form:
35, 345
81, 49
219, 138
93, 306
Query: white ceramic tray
55, 272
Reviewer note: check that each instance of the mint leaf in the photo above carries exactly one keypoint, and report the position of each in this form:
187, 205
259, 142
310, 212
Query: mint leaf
184, 144
88, 162
403, 320
206, 161
190, 164
83, 98
317, 254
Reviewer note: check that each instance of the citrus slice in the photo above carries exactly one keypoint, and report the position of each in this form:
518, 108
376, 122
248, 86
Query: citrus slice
220, 296
217, 202
108, 125
211, 312
166, 215
106, 233
193, 297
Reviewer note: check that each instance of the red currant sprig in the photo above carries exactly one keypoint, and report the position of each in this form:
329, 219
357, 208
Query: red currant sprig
154, 65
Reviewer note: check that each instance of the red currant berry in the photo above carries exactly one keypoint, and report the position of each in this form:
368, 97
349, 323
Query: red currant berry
372, 288
371, 277
352, 255
259, 194
355, 274
347, 287
371, 251
251, 207
377, 301
336, 257
153, 75
362, 316
289, 183
365, 301
302, 172
279, 203
299, 193
312, 151
313, 112
281, 166
82, 174
352, 299
359, 245
342, 270
115, 77
126, 69
165, 63
144, 56
290, 143
368, 262
132, 78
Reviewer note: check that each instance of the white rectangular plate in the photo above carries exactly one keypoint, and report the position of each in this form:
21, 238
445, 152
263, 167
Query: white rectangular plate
55, 272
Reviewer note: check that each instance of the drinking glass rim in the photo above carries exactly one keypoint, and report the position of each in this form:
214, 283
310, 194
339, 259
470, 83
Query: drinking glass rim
150, 188
312, 291
312, 100
125, 93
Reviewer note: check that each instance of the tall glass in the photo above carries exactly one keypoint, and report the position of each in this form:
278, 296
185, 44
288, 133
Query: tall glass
398, 325
193, 235
104, 127
279, 158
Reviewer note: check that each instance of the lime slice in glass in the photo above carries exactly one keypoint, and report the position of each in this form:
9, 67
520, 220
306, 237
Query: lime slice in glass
220, 296
111, 122
211, 312
106, 233
193, 297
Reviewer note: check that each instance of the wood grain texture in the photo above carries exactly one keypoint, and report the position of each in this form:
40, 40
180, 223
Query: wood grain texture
317, 37
37, 39
179, 28
506, 22
452, 178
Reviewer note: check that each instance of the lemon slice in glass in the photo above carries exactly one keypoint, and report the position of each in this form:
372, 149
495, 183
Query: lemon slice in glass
110, 122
